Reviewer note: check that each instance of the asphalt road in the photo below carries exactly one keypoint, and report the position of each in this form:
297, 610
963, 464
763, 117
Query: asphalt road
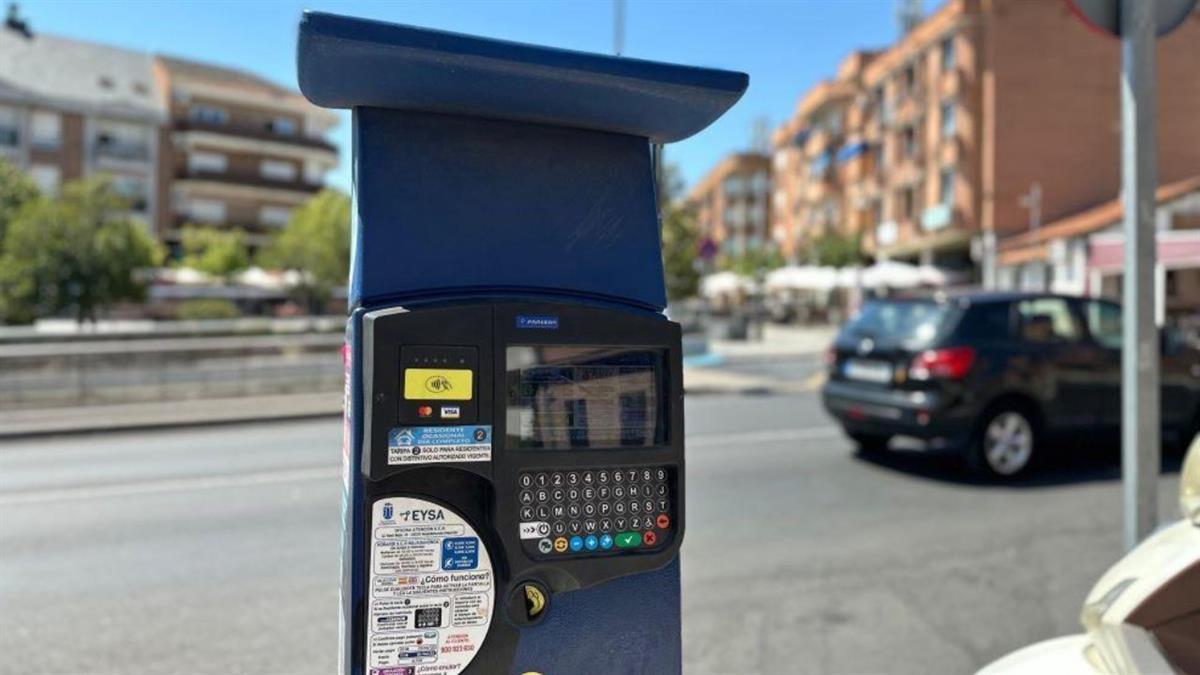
215, 550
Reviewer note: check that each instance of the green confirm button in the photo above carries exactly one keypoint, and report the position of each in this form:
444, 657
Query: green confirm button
628, 539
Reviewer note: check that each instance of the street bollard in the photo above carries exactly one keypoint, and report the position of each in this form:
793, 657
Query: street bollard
514, 452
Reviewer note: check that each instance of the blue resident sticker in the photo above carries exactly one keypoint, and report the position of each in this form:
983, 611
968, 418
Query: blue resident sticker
538, 321
460, 553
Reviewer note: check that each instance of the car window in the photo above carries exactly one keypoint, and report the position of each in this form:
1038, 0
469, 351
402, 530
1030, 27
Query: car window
913, 323
987, 321
1104, 323
1047, 320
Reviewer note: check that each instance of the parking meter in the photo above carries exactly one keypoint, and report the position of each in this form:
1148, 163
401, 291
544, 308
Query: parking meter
514, 454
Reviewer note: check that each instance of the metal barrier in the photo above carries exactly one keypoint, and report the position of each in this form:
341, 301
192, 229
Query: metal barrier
98, 372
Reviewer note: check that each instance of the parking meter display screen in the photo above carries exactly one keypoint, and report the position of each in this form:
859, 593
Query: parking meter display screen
566, 396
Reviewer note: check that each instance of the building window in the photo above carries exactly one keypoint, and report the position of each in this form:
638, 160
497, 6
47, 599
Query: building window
275, 169
208, 114
909, 141
46, 129
282, 126
948, 119
122, 141
908, 202
206, 210
46, 177
910, 78
946, 187
314, 172
10, 128
207, 162
274, 216
948, 53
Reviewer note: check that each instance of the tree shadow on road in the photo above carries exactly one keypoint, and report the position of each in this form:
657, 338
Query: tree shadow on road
1070, 464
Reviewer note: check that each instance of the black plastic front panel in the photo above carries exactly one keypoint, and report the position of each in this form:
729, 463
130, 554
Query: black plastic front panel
492, 491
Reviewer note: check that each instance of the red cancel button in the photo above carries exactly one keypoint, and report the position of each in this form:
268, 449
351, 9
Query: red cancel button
649, 538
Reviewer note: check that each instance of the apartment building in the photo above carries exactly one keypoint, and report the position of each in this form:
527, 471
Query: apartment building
818, 159
986, 117
240, 151
72, 109
731, 204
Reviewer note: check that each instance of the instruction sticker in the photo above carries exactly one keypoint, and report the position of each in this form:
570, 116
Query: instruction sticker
428, 445
432, 590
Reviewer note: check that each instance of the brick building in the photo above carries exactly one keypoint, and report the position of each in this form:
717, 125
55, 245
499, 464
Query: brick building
187, 142
240, 151
71, 109
731, 204
983, 110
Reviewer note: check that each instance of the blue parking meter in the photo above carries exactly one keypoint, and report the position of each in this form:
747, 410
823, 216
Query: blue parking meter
514, 461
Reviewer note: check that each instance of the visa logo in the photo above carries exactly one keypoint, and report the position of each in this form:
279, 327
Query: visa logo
542, 321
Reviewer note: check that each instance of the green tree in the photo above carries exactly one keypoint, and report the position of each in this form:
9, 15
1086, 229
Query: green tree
219, 253
79, 253
16, 190
835, 250
754, 261
679, 242
315, 243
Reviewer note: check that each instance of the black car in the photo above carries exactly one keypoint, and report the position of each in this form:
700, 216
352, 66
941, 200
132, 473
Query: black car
996, 376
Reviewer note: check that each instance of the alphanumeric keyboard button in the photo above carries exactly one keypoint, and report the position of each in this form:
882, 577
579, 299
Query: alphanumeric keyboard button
661, 474
606, 524
631, 475
618, 491
588, 478
604, 508
664, 505
559, 510
560, 527
635, 507
543, 495
619, 508
589, 525
589, 509
662, 490
526, 497
573, 510
647, 475
589, 493
572, 478
574, 527
620, 523
543, 512
526, 480
557, 494
602, 477
573, 494
557, 480
526, 513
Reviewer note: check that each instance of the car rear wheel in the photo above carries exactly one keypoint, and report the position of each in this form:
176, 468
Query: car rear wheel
1005, 445
870, 443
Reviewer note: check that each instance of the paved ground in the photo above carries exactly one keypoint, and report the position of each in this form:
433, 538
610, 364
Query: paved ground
214, 550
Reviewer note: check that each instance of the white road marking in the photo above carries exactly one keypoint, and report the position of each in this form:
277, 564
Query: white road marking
828, 431
269, 477
169, 485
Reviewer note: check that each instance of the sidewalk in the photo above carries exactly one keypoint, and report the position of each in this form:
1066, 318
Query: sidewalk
778, 340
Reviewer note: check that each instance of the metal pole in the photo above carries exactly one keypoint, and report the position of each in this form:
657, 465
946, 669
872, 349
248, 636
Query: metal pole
618, 27
1140, 349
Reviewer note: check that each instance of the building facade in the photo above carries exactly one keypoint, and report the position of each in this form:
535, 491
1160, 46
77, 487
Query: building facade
240, 151
985, 119
72, 109
731, 204
185, 142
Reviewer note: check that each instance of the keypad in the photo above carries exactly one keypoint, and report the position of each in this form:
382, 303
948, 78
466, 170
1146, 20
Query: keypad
588, 512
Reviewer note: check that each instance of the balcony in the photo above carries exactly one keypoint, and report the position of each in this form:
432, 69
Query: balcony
253, 133
121, 150
298, 184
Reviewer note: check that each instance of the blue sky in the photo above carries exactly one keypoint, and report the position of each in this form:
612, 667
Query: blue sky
786, 46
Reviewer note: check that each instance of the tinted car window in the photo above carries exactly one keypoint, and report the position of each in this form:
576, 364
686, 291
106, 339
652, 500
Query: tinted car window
986, 321
1104, 323
1047, 320
913, 323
